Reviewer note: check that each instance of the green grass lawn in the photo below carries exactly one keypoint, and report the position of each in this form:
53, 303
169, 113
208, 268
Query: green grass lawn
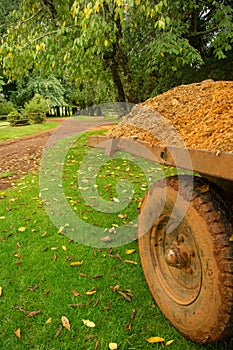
9, 132
39, 285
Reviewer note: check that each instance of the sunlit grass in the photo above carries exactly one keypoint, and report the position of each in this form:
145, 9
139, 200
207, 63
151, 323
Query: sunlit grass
10, 132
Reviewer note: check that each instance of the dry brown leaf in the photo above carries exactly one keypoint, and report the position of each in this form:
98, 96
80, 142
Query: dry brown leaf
59, 332
32, 288
115, 288
133, 314
106, 239
65, 322
83, 274
18, 333
77, 305
129, 327
97, 344
33, 313
126, 296
76, 294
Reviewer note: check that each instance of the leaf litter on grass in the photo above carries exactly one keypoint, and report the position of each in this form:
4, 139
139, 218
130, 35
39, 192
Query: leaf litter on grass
56, 281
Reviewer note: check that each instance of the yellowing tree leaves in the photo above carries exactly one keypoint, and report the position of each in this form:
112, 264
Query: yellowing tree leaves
89, 323
17, 333
112, 346
65, 322
155, 340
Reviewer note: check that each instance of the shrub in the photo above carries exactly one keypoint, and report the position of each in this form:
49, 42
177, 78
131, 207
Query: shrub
17, 118
37, 108
5, 107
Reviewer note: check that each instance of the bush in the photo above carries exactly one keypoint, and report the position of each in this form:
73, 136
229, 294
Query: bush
17, 118
5, 107
37, 108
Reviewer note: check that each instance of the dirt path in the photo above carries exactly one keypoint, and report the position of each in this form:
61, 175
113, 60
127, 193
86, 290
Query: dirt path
22, 155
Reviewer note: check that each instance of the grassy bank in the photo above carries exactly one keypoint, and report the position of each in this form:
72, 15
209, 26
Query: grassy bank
8, 132
46, 275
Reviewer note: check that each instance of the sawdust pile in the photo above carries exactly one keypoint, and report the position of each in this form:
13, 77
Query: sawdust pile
198, 115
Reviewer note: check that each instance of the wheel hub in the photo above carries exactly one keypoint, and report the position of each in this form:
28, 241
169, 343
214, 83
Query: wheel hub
177, 260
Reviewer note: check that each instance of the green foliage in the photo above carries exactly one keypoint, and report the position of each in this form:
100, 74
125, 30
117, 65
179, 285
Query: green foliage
123, 49
34, 112
5, 106
37, 108
16, 118
49, 87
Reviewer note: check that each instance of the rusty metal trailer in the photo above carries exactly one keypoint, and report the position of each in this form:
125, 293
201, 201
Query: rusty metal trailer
185, 235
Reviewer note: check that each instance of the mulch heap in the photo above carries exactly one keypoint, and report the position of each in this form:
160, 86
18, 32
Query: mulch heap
198, 116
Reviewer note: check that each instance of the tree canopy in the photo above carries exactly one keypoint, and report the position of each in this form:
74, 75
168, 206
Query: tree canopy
118, 50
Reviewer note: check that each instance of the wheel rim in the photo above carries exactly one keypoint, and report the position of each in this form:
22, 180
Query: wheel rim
175, 259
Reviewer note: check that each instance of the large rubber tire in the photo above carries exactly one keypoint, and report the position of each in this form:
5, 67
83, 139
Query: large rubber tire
189, 268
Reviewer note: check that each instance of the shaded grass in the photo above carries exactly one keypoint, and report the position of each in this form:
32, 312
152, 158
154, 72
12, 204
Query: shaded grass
33, 254
10, 132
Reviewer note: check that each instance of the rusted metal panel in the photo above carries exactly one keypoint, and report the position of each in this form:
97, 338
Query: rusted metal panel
205, 162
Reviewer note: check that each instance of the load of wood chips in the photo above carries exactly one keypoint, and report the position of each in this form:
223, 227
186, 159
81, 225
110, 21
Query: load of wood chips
198, 116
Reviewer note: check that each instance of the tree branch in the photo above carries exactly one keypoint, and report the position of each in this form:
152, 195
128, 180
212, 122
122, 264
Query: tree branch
30, 18
47, 34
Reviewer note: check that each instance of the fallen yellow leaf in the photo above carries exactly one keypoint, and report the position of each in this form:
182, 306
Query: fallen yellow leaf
112, 346
64, 248
17, 333
0, 291
89, 323
49, 320
76, 263
65, 322
130, 251
231, 238
130, 262
21, 229
2, 217
169, 342
155, 340
91, 291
